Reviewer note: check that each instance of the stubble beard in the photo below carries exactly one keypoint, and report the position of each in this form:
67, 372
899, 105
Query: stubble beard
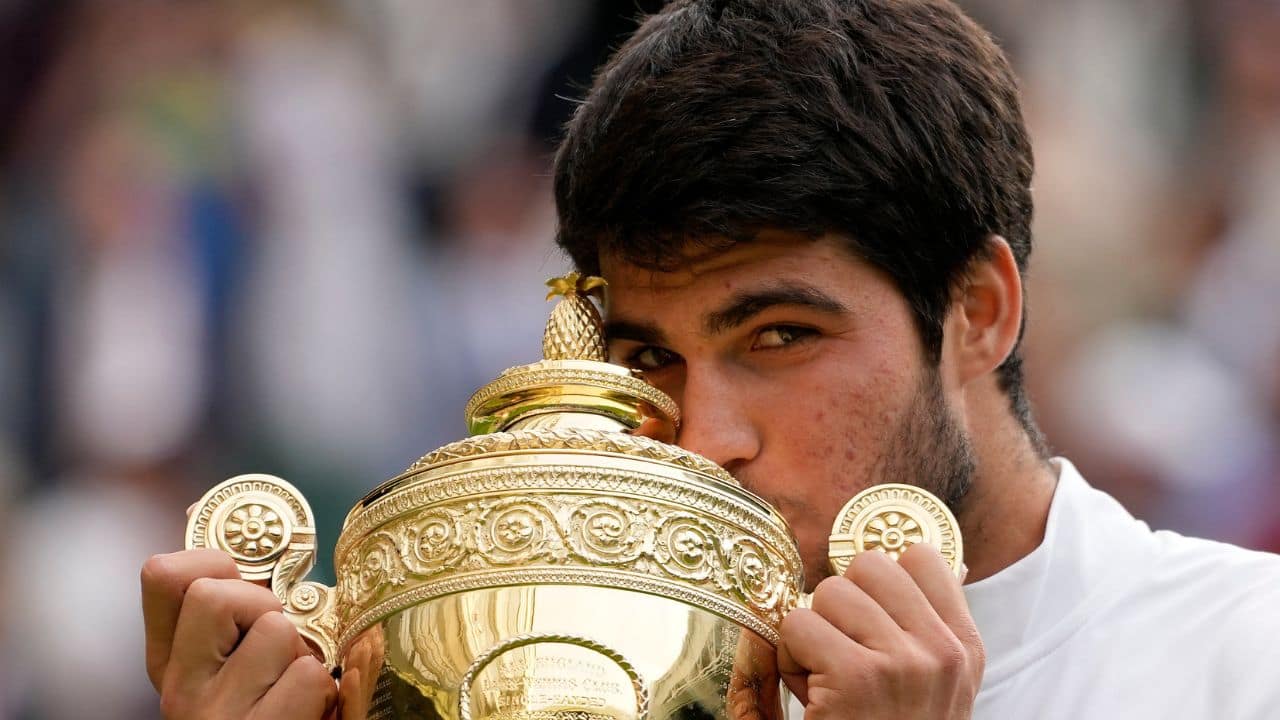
929, 449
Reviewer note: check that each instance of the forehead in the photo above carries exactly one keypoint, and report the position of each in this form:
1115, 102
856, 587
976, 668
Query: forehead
773, 257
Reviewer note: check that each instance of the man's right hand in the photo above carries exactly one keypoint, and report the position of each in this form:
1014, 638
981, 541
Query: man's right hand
219, 647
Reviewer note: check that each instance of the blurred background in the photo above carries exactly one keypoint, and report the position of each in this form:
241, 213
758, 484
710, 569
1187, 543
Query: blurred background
292, 236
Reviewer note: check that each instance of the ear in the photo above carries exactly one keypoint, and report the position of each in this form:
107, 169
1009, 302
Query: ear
986, 313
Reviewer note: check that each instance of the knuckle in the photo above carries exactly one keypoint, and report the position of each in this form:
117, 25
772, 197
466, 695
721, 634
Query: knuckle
922, 552
205, 592
275, 626
313, 677
792, 620
170, 709
974, 649
824, 595
866, 566
176, 706
313, 671
217, 561
943, 658
909, 665
162, 573
155, 571
166, 571
978, 658
225, 565
950, 654
832, 704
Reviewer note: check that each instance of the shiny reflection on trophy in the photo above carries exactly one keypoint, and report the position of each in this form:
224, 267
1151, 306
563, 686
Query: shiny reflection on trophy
553, 566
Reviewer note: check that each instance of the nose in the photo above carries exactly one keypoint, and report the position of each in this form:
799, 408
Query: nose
716, 422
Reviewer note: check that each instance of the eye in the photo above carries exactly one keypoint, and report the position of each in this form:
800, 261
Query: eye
650, 357
777, 336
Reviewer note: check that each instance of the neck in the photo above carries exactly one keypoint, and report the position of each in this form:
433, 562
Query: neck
1004, 513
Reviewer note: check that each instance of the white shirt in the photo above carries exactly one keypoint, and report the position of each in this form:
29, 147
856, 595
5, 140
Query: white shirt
1107, 619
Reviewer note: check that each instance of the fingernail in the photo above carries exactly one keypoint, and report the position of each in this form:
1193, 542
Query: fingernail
964, 572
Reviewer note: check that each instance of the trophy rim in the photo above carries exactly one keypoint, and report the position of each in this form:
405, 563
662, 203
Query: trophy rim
517, 441
489, 408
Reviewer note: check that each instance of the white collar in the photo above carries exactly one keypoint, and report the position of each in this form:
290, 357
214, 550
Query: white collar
1090, 544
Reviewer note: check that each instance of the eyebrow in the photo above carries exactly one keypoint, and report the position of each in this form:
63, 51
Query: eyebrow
741, 308
640, 332
746, 305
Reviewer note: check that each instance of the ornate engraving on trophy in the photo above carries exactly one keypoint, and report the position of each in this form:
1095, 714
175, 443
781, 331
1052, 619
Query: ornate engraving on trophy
584, 439
656, 538
547, 676
609, 532
552, 676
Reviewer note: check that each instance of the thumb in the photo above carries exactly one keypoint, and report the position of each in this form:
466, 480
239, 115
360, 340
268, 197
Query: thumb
794, 675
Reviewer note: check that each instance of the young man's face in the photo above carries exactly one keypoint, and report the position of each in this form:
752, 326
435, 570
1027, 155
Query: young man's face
799, 369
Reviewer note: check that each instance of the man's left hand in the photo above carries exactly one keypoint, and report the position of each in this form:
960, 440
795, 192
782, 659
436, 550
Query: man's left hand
891, 640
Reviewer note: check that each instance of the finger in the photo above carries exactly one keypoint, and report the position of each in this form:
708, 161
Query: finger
215, 614
810, 644
353, 695
934, 578
267, 650
893, 589
794, 676
305, 691
360, 672
853, 612
165, 579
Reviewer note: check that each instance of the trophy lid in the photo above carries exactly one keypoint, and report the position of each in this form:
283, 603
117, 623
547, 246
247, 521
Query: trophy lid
572, 399
572, 385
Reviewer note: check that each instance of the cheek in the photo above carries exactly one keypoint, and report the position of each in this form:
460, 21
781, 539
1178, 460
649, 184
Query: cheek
835, 424
828, 436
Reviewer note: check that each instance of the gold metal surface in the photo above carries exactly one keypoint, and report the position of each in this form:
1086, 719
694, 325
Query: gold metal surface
550, 567
891, 518
267, 527
575, 329
641, 688
572, 386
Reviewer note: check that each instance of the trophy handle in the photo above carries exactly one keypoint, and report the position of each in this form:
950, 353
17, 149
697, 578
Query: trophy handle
267, 527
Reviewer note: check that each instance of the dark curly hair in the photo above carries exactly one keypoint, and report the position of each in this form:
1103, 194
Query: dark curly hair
894, 124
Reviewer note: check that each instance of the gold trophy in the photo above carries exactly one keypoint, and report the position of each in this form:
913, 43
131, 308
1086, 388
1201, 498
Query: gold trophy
553, 566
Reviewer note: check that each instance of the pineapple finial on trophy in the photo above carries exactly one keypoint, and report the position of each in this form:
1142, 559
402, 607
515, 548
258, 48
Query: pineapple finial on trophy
573, 385
575, 328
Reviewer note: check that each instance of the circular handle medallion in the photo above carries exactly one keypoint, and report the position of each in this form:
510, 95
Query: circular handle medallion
253, 518
891, 518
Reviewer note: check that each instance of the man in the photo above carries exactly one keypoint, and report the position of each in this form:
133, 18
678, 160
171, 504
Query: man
814, 216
